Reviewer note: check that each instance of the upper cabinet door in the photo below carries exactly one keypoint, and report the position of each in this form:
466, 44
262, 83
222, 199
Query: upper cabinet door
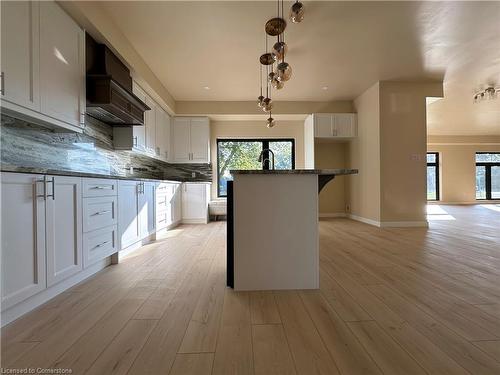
63, 228
322, 125
200, 140
20, 53
344, 125
181, 139
150, 126
166, 136
62, 59
23, 237
139, 132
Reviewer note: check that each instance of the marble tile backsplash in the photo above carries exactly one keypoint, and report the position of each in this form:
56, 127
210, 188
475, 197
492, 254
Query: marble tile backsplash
29, 147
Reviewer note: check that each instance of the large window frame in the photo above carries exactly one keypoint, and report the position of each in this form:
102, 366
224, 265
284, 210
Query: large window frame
487, 169
435, 165
265, 145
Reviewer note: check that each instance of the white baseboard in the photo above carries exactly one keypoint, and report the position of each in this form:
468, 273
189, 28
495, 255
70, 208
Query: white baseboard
390, 224
496, 201
33, 302
364, 220
195, 221
332, 214
404, 224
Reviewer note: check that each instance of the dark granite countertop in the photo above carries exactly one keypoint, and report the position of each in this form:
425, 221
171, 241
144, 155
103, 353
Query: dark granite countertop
319, 172
83, 174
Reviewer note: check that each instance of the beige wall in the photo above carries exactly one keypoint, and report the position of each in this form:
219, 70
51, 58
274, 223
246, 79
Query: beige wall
390, 153
255, 129
458, 166
363, 153
403, 141
328, 156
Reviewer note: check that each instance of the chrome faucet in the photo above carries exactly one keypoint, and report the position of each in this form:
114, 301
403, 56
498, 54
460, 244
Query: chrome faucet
263, 161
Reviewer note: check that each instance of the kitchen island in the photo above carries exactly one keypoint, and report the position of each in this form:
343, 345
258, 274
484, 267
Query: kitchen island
273, 240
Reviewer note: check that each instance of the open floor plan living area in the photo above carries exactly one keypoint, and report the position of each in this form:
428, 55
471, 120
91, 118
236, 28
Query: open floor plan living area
250, 187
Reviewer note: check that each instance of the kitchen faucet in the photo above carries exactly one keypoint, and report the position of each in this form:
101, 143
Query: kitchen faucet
263, 161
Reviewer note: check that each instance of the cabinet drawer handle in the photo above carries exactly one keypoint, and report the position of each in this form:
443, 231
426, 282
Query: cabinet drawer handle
53, 182
101, 244
98, 187
44, 182
100, 212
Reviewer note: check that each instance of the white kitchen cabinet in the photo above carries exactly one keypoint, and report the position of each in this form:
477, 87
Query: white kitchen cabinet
43, 79
128, 212
177, 204
136, 211
322, 125
99, 244
181, 139
191, 140
62, 65
345, 125
335, 125
23, 238
20, 53
150, 126
200, 140
63, 228
162, 133
195, 198
168, 204
147, 199
139, 134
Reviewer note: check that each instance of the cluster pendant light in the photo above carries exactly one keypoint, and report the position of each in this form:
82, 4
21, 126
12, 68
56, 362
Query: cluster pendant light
278, 71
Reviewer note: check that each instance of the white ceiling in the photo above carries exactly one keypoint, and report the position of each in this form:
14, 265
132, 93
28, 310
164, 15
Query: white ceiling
346, 46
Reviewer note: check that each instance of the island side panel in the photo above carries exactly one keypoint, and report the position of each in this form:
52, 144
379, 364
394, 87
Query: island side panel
276, 240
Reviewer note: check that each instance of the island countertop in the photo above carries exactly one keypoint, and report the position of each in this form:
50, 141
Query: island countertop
319, 172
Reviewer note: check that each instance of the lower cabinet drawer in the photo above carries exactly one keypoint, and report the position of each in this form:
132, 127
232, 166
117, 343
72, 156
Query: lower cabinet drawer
162, 202
99, 244
162, 220
99, 213
99, 187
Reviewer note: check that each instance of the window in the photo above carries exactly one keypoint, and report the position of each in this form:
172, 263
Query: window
244, 154
488, 175
432, 176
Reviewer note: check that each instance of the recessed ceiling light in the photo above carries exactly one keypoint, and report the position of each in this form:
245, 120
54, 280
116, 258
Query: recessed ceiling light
324, 88
206, 88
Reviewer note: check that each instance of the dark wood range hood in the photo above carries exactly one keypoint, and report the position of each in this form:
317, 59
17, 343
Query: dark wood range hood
109, 88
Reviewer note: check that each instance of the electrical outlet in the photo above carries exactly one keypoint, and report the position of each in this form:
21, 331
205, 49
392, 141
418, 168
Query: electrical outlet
131, 170
193, 174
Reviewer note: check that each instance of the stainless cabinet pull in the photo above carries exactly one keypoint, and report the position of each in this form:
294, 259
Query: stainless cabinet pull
100, 212
53, 182
2, 83
101, 244
162, 221
44, 182
97, 187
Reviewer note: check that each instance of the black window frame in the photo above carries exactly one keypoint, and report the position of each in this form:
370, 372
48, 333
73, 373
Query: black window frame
436, 171
265, 145
487, 170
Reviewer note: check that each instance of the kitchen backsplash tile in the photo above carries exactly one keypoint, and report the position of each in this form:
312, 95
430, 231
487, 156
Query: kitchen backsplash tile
29, 146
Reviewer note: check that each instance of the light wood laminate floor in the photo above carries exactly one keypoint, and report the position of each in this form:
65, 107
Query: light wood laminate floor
392, 301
